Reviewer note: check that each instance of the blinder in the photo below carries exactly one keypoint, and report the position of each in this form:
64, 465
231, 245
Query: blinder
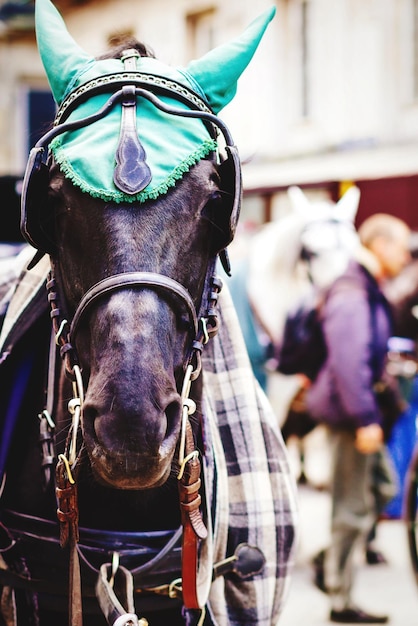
231, 185
36, 221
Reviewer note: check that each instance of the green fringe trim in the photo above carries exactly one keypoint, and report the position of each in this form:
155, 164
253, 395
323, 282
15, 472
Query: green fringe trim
210, 145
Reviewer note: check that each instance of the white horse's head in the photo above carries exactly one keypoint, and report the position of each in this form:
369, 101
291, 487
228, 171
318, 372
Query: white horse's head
312, 245
328, 238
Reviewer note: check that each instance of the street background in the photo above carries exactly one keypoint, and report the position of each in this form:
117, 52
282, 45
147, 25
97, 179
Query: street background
383, 589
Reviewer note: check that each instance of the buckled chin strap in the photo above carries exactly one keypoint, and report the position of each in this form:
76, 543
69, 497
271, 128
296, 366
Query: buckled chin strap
196, 581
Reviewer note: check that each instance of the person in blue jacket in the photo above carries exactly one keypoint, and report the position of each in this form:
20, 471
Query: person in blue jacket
356, 322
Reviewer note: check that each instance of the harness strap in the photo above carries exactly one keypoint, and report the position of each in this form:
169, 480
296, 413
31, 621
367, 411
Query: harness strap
75, 610
194, 529
19, 605
67, 514
46, 423
152, 82
115, 596
132, 173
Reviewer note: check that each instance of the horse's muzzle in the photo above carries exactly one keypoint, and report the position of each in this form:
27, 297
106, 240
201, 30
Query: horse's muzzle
132, 451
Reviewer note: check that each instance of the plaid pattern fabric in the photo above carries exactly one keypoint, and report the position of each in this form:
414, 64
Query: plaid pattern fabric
255, 497
256, 490
12, 261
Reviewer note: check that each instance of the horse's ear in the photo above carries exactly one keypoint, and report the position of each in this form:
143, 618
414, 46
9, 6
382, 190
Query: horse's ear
61, 56
299, 201
347, 205
218, 71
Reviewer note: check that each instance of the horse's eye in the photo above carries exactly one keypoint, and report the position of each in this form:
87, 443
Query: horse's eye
185, 323
308, 255
215, 198
212, 205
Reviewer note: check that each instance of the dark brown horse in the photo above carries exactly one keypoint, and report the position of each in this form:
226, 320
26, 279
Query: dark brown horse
133, 294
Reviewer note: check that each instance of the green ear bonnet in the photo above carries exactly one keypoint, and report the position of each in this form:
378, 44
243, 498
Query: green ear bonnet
172, 145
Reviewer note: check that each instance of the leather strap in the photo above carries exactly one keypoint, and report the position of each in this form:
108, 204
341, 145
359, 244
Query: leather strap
75, 609
132, 173
67, 513
194, 530
134, 279
116, 596
103, 84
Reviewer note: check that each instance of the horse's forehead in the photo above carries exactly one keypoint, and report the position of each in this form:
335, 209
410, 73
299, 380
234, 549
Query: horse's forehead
328, 232
323, 208
320, 211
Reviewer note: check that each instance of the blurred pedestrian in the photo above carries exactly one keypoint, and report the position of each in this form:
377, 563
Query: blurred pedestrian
357, 325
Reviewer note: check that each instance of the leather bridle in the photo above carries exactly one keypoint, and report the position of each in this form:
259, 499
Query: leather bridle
203, 325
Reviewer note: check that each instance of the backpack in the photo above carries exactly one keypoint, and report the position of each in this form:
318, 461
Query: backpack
303, 349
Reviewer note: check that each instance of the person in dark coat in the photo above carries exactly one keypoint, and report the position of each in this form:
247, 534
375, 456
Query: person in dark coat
356, 322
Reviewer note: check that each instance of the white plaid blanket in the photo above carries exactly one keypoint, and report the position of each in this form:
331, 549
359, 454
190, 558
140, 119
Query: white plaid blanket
255, 477
11, 264
256, 492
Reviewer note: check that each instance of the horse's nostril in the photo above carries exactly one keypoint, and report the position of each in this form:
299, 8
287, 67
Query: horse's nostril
90, 413
172, 413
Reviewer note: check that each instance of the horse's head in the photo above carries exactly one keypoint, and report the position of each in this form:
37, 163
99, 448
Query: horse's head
328, 237
311, 245
133, 208
133, 341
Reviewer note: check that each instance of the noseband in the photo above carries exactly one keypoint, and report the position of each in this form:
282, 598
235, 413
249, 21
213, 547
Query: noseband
133, 280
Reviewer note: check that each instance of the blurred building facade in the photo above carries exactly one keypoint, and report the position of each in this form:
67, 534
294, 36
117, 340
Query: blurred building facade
330, 98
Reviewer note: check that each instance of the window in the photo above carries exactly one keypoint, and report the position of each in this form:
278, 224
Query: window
40, 114
200, 32
298, 66
304, 58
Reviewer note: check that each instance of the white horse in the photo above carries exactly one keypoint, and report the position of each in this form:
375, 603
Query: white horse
286, 260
